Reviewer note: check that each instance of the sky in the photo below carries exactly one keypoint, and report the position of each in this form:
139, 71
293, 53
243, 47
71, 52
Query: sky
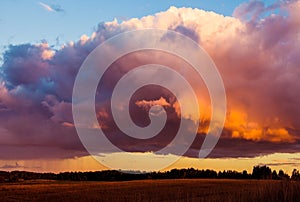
252, 43
28, 21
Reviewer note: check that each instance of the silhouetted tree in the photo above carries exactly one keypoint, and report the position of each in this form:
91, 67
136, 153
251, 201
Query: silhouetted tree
274, 175
283, 175
295, 175
261, 172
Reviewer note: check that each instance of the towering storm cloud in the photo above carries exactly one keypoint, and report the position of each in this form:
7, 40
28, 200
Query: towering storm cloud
258, 59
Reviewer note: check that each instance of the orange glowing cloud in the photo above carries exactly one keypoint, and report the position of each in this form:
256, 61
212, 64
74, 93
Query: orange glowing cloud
242, 127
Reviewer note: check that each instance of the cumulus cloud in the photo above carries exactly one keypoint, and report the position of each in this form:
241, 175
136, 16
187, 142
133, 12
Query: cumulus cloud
258, 60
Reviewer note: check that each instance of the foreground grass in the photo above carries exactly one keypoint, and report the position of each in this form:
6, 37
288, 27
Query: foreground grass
153, 190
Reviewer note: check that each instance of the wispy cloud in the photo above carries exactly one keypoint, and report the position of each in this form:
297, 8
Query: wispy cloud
296, 164
46, 7
51, 8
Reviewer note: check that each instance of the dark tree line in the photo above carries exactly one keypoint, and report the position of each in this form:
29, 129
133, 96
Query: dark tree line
259, 172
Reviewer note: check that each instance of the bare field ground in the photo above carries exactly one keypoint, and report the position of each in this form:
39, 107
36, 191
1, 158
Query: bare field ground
153, 190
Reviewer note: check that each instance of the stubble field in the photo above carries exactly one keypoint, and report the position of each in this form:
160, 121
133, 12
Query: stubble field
153, 190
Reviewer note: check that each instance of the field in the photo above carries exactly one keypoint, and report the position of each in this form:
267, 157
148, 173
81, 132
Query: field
153, 190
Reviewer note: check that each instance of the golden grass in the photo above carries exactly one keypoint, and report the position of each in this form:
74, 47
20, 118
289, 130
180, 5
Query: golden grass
153, 190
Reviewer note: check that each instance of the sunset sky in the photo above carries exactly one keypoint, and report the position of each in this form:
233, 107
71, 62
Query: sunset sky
254, 45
